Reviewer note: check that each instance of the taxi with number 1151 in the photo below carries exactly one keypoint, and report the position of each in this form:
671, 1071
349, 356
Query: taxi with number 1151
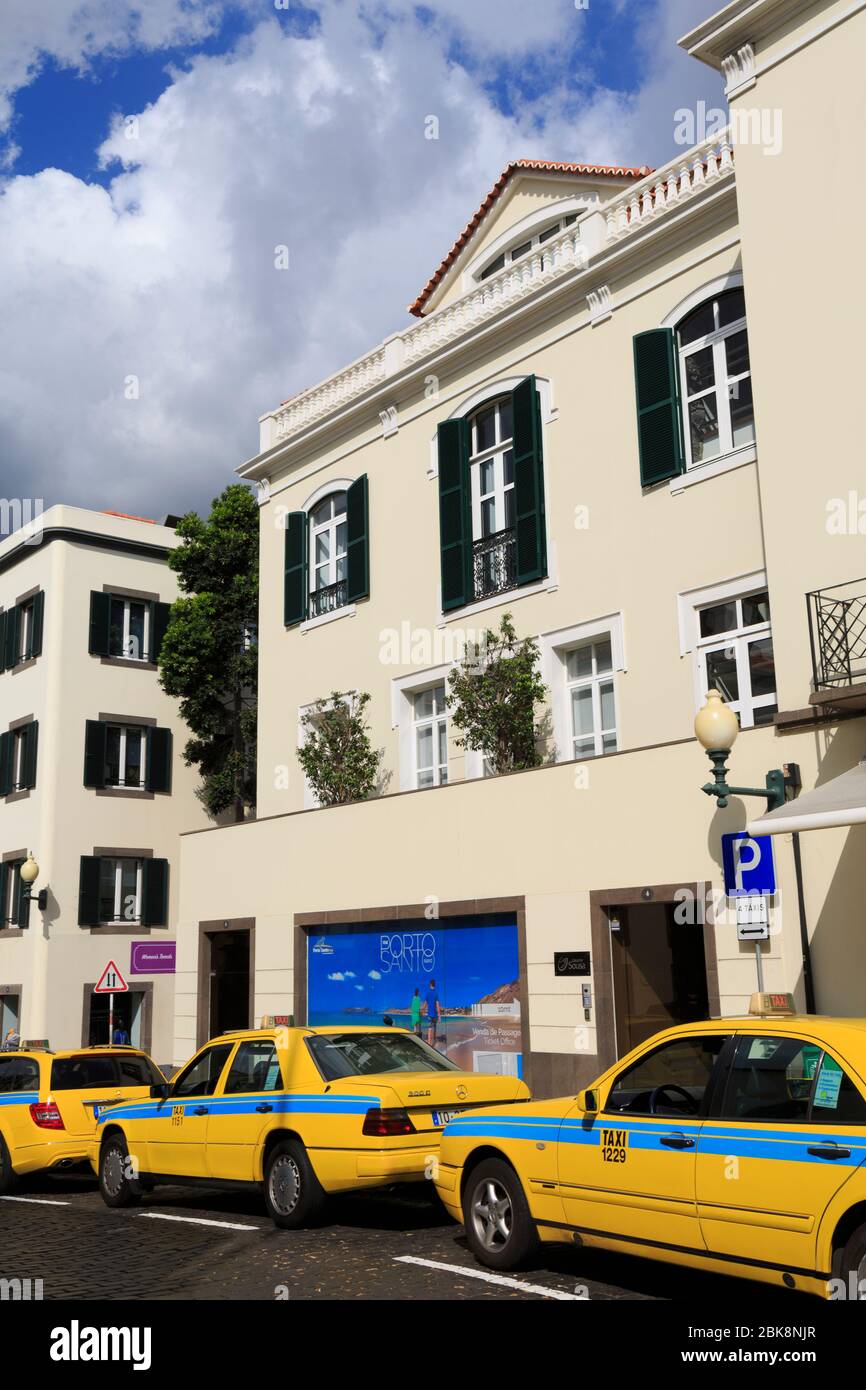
299, 1112
735, 1145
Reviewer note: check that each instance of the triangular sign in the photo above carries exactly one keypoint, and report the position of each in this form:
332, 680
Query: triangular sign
111, 981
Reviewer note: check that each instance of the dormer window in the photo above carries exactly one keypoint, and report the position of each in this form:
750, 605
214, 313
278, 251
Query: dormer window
523, 248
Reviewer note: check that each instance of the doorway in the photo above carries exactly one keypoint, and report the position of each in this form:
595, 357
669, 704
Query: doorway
10, 1014
229, 981
659, 971
128, 1018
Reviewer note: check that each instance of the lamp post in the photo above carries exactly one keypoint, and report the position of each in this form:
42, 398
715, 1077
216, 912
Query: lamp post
716, 729
28, 873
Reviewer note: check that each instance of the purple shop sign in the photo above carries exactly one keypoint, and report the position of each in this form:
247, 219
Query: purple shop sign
153, 958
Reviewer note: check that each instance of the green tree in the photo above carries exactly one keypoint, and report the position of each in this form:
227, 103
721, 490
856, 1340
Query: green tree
493, 697
338, 759
208, 659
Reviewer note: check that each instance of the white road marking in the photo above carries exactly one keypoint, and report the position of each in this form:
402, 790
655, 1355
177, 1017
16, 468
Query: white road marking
41, 1201
198, 1221
492, 1278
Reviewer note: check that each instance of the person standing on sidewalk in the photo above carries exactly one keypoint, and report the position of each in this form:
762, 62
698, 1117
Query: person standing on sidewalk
434, 1013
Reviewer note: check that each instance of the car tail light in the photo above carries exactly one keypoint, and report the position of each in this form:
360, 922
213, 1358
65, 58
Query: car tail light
46, 1115
382, 1123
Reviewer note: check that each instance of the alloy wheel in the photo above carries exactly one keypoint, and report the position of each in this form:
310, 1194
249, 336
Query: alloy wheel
112, 1171
492, 1214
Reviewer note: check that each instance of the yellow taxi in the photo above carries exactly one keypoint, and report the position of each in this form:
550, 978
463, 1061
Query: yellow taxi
49, 1101
735, 1145
300, 1112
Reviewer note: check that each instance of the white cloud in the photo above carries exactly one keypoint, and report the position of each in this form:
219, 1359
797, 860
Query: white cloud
168, 276
337, 975
374, 974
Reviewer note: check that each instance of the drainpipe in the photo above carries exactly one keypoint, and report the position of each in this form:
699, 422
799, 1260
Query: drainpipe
808, 978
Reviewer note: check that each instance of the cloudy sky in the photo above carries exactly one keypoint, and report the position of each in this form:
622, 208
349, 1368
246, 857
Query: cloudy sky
154, 153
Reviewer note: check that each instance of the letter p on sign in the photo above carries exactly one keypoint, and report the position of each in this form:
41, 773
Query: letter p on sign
748, 864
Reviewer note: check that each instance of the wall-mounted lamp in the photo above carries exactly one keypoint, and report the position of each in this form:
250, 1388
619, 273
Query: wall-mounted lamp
28, 873
716, 728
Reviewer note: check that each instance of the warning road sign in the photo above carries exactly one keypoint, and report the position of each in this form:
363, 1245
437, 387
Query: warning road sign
111, 981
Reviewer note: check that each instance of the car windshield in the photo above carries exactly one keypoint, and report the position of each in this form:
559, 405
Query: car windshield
366, 1054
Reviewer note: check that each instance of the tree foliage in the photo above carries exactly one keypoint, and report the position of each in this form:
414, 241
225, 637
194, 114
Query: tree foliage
208, 659
336, 753
492, 699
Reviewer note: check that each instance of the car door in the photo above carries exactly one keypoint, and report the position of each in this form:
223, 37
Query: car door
19, 1089
242, 1109
177, 1133
628, 1172
788, 1131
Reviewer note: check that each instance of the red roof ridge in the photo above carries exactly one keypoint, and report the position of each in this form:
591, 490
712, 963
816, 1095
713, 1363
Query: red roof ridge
551, 166
127, 516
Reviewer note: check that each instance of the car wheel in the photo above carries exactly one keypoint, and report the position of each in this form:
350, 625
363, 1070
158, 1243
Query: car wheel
852, 1265
7, 1172
118, 1188
499, 1228
293, 1193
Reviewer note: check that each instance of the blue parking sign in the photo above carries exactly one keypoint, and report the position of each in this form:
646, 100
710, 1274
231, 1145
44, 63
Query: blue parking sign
748, 864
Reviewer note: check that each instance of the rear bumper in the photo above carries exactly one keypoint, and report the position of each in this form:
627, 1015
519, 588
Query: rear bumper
448, 1182
33, 1158
411, 1163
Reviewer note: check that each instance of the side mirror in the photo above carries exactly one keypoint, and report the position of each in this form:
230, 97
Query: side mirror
588, 1101
159, 1090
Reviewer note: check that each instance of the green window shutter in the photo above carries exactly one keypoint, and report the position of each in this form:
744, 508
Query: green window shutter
4, 885
95, 734
357, 541
455, 514
100, 622
31, 738
530, 537
22, 906
154, 893
159, 615
38, 623
7, 744
88, 891
10, 638
659, 424
158, 760
3, 617
295, 569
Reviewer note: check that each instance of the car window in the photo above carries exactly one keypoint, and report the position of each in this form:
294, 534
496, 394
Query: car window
138, 1071
88, 1071
200, 1077
19, 1074
771, 1079
367, 1054
255, 1068
671, 1080
835, 1098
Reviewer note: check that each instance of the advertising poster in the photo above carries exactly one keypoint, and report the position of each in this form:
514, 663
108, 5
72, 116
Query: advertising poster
357, 977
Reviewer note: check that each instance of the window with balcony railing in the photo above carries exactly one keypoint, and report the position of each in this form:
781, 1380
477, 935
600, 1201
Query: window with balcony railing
494, 559
328, 555
837, 629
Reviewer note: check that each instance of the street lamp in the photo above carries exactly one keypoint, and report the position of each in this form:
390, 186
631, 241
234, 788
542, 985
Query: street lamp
716, 728
28, 873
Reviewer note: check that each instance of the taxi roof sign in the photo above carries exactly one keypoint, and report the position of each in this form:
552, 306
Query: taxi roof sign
772, 1004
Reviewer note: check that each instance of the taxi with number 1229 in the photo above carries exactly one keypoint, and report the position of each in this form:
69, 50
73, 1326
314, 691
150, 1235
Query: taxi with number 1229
735, 1145
299, 1112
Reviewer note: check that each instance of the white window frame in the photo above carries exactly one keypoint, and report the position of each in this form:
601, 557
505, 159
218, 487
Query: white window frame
118, 862
592, 682
529, 241
25, 636
12, 900
739, 639
721, 384
495, 453
125, 731
20, 738
125, 654
435, 722
554, 648
403, 692
331, 527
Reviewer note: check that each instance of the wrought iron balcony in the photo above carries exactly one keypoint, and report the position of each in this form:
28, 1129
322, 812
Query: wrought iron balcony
494, 563
837, 632
328, 598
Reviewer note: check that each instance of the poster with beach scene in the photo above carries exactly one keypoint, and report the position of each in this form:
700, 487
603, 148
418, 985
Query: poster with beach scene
360, 976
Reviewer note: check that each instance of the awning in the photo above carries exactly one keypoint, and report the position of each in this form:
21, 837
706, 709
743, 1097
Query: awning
841, 801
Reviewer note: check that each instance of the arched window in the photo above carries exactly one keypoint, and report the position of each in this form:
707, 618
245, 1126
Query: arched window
715, 377
328, 554
491, 463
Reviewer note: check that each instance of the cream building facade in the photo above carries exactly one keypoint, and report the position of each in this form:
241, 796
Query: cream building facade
623, 416
92, 778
